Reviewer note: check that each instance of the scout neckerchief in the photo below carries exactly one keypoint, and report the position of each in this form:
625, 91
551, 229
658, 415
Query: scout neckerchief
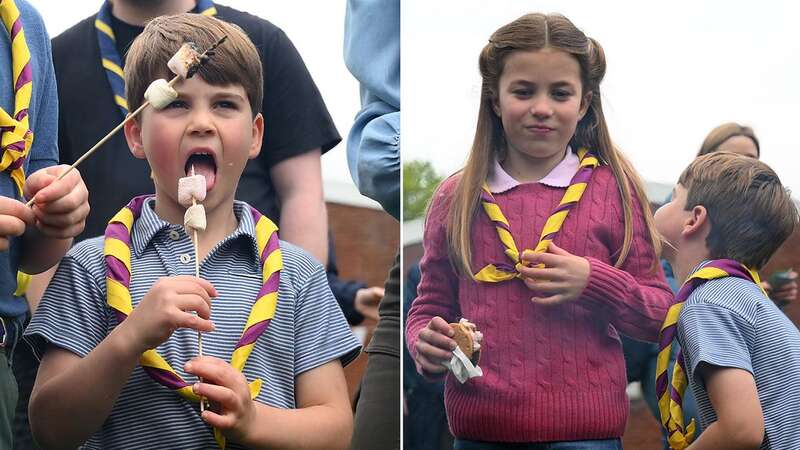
16, 136
109, 56
670, 400
502, 271
117, 253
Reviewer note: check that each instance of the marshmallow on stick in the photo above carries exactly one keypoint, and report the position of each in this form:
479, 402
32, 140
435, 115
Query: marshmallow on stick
187, 62
192, 189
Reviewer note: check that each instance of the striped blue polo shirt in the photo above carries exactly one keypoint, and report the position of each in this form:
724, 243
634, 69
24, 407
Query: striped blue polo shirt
728, 322
308, 329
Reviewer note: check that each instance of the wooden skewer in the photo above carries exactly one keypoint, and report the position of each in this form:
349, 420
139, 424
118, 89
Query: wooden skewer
107, 137
203, 57
197, 274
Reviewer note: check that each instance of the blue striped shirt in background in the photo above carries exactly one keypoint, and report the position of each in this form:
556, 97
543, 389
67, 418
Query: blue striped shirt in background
308, 329
728, 322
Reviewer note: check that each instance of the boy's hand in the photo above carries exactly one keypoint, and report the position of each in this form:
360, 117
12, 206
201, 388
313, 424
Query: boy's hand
14, 218
233, 409
60, 206
434, 347
563, 278
167, 306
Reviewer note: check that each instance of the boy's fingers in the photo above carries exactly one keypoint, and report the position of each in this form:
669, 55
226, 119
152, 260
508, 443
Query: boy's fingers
46, 187
215, 393
13, 208
193, 302
205, 285
218, 421
194, 322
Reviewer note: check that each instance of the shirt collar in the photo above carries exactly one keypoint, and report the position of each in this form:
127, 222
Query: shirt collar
149, 225
500, 181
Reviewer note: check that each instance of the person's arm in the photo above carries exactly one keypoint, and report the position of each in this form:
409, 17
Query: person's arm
437, 292
74, 395
304, 218
634, 297
322, 420
740, 421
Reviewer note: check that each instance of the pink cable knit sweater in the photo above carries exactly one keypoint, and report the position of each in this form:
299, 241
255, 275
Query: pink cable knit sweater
550, 373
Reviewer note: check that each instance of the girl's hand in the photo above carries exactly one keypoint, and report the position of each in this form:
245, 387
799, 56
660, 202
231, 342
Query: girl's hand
233, 411
563, 278
434, 348
169, 305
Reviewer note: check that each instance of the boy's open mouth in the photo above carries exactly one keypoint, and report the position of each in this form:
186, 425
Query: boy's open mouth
204, 165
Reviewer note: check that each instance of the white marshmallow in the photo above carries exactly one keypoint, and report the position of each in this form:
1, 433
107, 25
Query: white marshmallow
184, 60
160, 93
195, 218
193, 187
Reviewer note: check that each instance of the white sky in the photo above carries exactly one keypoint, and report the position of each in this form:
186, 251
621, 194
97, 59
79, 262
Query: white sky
675, 70
315, 27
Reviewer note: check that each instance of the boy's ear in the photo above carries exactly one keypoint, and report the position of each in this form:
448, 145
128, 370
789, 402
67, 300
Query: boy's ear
133, 134
586, 101
258, 136
697, 223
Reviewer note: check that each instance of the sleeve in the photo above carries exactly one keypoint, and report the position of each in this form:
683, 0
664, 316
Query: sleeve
343, 290
72, 313
44, 151
321, 331
634, 297
714, 335
373, 146
437, 292
296, 119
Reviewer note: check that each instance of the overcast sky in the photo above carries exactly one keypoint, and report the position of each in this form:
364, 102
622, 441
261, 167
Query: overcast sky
675, 70
316, 27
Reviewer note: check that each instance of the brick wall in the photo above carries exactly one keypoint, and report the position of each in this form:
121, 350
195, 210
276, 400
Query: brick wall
366, 242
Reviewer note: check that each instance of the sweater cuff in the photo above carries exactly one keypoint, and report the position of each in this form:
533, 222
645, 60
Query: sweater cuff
607, 285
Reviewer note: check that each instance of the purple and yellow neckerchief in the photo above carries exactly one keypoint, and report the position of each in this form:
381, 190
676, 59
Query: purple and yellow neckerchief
670, 400
16, 137
117, 253
109, 56
495, 273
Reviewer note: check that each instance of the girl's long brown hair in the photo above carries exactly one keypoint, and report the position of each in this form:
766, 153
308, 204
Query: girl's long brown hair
535, 32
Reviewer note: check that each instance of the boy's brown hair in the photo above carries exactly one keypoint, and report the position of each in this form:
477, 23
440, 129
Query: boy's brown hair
750, 211
236, 61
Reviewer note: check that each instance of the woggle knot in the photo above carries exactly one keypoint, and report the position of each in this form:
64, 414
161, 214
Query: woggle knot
495, 273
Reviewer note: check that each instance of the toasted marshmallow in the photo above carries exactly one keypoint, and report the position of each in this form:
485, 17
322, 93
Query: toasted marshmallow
192, 187
185, 61
160, 93
195, 218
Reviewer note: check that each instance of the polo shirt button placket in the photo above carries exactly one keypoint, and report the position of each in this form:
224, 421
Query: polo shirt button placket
186, 258
174, 235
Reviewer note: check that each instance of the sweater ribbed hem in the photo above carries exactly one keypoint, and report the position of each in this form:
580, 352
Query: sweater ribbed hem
536, 416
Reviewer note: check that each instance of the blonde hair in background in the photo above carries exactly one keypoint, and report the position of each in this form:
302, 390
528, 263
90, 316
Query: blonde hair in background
236, 61
724, 132
535, 32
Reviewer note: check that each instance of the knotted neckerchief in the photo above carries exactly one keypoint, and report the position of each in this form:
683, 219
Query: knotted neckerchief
109, 56
670, 400
17, 137
117, 253
502, 271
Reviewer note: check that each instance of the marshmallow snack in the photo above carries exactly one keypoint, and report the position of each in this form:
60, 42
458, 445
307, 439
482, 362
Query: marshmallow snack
185, 61
192, 187
195, 218
160, 93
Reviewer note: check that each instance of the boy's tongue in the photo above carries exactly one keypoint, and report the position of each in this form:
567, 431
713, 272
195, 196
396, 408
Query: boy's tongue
205, 168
